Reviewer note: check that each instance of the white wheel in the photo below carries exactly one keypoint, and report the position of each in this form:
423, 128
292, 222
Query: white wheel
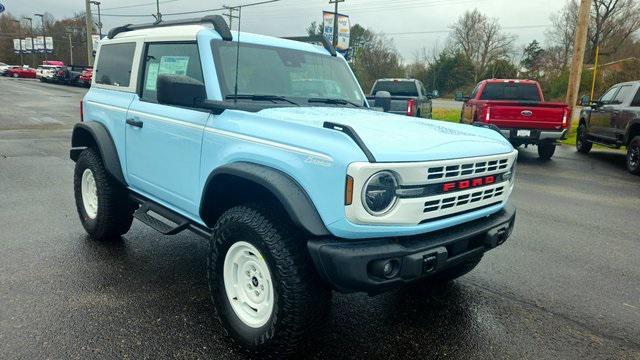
248, 284
89, 194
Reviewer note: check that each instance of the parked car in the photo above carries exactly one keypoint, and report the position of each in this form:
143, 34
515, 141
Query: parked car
46, 73
297, 194
21, 72
69, 75
85, 77
613, 121
401, 96
4, 67
518, 110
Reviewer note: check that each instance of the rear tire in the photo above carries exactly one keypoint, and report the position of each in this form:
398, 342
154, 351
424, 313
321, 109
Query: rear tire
583, 145
633, 156
546, 150
282, 264
102, 203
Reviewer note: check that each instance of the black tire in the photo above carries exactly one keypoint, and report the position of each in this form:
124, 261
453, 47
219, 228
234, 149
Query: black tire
302, 301
583, 145
114, 209
546, 150
633, 156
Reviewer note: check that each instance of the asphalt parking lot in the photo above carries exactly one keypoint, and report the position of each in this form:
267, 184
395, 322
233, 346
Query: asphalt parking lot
566, 285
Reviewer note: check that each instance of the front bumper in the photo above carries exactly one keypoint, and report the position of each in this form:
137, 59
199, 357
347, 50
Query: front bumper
535, 135
351, 266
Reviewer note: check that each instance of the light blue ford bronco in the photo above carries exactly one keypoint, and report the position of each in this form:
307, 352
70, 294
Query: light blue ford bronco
267, 147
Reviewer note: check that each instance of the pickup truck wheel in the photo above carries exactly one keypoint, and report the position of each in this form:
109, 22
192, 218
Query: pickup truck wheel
633, 156
263, 285
103, 206
583, 145
546, 150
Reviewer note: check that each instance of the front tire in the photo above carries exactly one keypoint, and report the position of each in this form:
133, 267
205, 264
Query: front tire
546, 150
103, 205
583, 145
633, 156
264, 287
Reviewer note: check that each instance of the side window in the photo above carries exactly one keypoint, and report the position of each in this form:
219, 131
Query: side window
636, 99
114, 64
172, 59
608, 96
475, 91
623, 94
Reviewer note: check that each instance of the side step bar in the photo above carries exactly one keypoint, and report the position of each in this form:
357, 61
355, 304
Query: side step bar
165, 221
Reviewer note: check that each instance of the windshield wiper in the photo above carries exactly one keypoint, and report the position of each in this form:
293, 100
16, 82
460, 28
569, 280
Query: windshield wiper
257, 97
333, 101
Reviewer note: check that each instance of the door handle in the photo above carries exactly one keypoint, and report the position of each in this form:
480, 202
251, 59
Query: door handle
134, 122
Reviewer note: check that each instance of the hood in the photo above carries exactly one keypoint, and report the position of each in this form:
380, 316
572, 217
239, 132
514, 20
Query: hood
397, 138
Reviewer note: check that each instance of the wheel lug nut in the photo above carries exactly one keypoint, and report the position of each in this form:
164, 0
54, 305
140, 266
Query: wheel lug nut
257, 293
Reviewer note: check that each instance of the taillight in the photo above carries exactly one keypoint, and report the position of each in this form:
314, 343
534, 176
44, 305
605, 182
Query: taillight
565, 118
488, 115
411, 107
81, 112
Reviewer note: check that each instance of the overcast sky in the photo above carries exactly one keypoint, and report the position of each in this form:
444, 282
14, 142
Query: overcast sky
290, 17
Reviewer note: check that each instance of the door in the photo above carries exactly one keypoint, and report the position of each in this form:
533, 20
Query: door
619, 116
600, 118
164, 142
469, 107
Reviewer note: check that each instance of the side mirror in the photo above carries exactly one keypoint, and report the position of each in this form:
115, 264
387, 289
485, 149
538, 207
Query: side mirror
179, 90
585, 100
461, 97
435, 94
383, 100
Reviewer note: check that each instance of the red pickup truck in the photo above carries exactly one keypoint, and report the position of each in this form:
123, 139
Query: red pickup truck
517, 108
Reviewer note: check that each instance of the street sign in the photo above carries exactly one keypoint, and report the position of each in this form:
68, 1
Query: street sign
344, 29
49, 41
17, 48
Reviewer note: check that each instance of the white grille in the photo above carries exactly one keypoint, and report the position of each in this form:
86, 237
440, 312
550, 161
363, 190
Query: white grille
466, 169
480, 196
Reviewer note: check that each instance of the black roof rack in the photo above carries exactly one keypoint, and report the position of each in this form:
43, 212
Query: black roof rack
218, 22
314, 40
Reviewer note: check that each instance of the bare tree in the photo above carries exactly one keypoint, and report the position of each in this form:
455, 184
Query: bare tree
562, 32
612, 22
481, 40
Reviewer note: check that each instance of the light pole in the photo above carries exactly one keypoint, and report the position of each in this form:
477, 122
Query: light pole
335, 21
33, 53
99, 23
20, 36
44, 34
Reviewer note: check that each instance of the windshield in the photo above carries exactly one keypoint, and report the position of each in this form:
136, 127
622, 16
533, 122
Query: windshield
510, 91
294, 74
396, 88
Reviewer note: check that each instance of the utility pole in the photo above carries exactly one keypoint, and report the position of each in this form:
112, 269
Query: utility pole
99, 23
89, 25
335, 21
232, 13
70, 48
157, 15
33, 51
44, 34
20, 38
579, 46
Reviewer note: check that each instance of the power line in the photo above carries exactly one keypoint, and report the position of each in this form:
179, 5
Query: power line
139, 5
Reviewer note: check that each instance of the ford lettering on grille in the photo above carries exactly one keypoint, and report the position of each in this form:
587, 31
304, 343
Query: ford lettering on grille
468, 184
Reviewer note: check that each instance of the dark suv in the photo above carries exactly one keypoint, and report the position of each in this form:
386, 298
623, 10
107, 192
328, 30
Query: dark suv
613, 121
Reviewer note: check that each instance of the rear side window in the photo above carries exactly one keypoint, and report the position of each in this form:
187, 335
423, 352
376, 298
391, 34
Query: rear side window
397, 88
114, 64
623, 94
170, 59
636, 99
510, 91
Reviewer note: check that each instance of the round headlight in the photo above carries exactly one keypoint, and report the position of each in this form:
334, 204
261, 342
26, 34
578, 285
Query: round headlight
379, 193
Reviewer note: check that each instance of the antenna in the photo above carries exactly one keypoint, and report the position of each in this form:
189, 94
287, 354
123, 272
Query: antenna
235, 91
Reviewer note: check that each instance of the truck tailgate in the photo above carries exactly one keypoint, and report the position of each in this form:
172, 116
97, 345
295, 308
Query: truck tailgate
524, 115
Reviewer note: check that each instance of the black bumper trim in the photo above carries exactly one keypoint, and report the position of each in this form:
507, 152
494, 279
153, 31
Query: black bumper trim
347, 264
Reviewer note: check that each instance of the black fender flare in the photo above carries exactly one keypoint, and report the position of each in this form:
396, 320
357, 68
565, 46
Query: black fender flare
92, 133
291, 195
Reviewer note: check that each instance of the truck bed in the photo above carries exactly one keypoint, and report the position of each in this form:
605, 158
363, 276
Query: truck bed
526, 115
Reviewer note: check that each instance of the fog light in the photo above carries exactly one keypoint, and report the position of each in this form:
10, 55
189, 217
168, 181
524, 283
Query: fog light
386, 268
